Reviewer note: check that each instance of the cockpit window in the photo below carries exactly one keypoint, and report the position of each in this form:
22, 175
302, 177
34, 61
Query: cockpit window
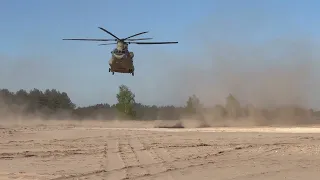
116, 51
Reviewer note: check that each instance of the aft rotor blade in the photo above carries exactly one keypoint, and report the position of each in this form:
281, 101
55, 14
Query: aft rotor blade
138, 39
92, 39
135, 35
107, 44
152, 42
109, 33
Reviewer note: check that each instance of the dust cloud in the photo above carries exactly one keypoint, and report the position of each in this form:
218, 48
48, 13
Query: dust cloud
274, 82
18, 116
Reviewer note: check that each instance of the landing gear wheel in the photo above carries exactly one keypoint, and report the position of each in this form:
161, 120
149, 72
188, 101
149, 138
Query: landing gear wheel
132, 73
109, 69
112, 73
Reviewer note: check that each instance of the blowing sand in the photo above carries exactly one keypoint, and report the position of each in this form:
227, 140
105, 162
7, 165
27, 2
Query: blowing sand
92, 150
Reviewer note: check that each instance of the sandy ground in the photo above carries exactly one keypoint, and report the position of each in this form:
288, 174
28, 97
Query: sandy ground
110, 151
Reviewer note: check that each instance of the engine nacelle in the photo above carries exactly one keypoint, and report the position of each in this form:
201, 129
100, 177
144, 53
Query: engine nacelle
131, 54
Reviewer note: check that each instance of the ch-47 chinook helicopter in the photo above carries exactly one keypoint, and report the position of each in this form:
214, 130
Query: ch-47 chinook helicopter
122, 59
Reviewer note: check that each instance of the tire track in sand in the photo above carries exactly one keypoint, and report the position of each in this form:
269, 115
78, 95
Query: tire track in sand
114, 161
128, 158
138, 159
163, 159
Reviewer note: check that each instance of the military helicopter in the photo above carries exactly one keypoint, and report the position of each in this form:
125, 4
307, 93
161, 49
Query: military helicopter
121, 60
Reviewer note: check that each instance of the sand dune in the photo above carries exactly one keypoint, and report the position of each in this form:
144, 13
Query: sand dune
117, 151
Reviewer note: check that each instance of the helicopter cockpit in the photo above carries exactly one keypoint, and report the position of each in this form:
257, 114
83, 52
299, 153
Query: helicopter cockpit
118, 52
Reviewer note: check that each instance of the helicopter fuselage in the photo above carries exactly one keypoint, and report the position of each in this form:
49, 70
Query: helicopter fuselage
121, 61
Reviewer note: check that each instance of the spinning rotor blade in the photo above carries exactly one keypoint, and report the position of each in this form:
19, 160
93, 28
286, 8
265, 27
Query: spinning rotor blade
92, 39
152, 42
109, 33
107, 44
135, 35
138, 39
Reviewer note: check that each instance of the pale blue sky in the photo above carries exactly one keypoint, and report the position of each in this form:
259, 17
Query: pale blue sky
33, 55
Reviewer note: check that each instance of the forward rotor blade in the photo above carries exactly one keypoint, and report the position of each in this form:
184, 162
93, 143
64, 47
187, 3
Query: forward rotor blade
138, 39
107, 44
92, 39
135, 35
152, 42
109, 33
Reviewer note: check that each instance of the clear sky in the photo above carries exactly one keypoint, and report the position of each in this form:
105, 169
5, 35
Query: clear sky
212, 35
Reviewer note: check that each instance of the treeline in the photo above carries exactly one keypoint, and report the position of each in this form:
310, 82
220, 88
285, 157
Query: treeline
53, 104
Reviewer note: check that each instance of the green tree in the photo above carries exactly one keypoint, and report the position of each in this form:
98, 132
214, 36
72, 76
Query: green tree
233, 107
35, 100
193, 104
21, 97
126, 102
66, 102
